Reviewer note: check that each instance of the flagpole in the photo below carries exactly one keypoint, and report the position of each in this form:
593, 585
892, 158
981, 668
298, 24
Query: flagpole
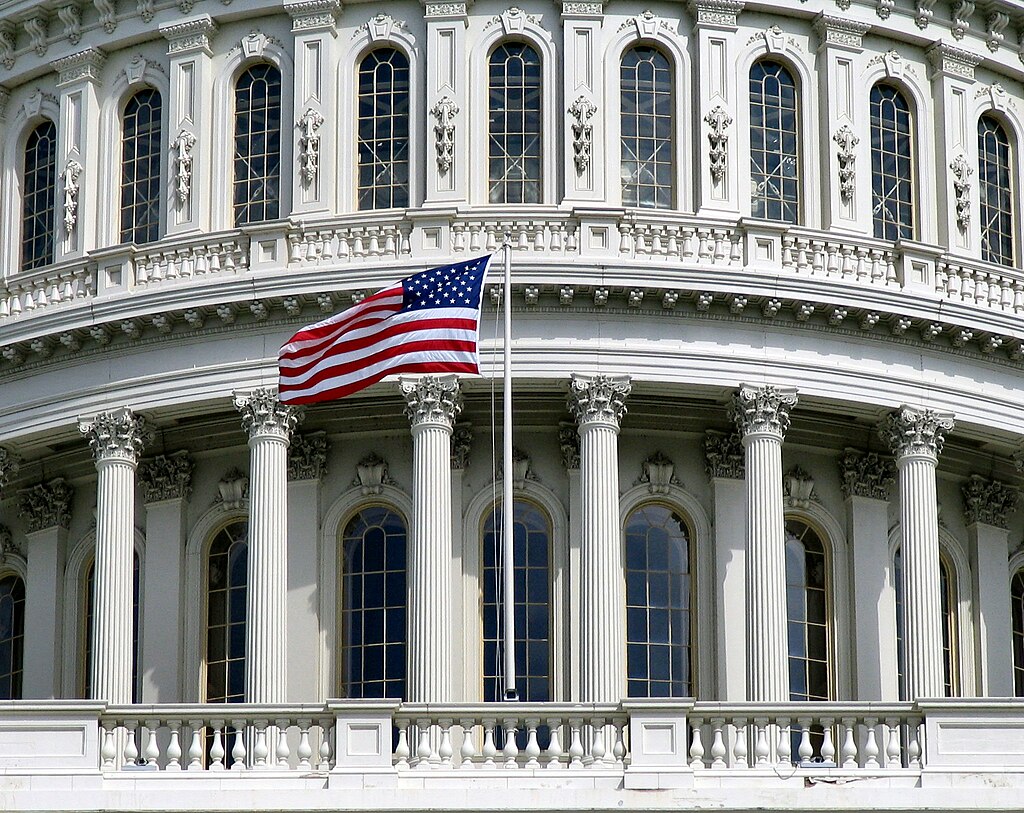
507, 528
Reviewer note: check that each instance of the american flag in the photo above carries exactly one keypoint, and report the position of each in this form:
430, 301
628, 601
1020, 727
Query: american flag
427, 323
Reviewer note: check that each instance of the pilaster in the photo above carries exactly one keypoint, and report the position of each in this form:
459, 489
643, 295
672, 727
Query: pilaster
447, 103
598, 403
432, 404
461, 445
569, 443
583, 91
761, 415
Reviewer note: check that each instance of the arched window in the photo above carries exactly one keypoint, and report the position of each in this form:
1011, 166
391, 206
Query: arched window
12, 636
532, 551
514, 124
373, 579
892, 169
226, 587
1017, 609
808, 603
774, 143
383, 130
658, 603
39, 190
258, 145
646, 100
995, 190
140, 168
950, 634
89, 619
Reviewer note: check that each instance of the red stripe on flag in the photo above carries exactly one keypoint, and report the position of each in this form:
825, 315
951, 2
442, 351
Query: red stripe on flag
409, 367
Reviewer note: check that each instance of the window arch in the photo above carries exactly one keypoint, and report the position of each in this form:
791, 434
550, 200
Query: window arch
532, 551
658, 603
892, 168
774, 142
809, 610
514, 124
995, 190
12, 636
1017, 612
950, 626
141, 152
373, 613
226, 589
39, 192
382, 130
646, 109
89, 591
257, 186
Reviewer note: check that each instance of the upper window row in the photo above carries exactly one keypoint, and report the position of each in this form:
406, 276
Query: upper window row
515, 144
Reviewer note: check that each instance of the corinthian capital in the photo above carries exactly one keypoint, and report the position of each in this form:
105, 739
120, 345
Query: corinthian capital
866, 474
989, 501
432, 399
598, 398
47, 505
911, 431
263, 414
8, 466
166, 477
117, 435
307, 456
723, 456
763, 409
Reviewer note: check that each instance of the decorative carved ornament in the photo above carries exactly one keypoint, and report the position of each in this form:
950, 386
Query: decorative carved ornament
994, 27
432, 399
718, 120
569, 443
70, 176
108, 14
71, 16
989, 501
847, 141
962, 10
35, 27
232, 490
8, 547
883, 8
116, 435
962, 190
723, 456
658, 472
866, 474
307, 456
309, 144
798, 488
380, 27
166, 477
461, 442
190, 35
716, 13
47, 505
598, 398
763, 409
372, 475
582, 111
182, 147
912, 431
264, 414
6, 45
444, 112
923, 13
9, 464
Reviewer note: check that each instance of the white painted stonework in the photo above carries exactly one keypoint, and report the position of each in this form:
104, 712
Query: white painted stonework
693, 357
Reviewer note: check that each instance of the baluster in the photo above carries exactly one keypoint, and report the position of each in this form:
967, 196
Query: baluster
445, 750
489, 751
576, 743
639, 243
215, 265
655, 241
557, 234
914, 744
625, 239
357, 243
966, 283
521, 237
511, 749
474, 237
423, 750
151, 750
862, 264
877, 273
892, 743
1018, 296
324, 751
828, 748
849, 750
131, 750
817, 259
261, 750
468, 749
458, 237
570, 241
849, 264
870, 743
696, 745
801, 255
195, 745
890, 268
597, 747
736, 250
740, 747
217, 746
238, 749
374, 249
688, 247
761, 749
108, 752
718, 750
1005, 295
282, 751
672, 247
787, 252
174, 747
532, 746
981, 287
783, 752
719, 238
305, 750
344, 245
618, 752
703, 249
805, 750
553, 754
538, 236
492, 239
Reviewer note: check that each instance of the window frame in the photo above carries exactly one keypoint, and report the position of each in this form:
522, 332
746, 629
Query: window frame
204, 586
673, 139
8, 571
806, 150
27, 135
913, 159
411, 107
283, 137
162, 178
1010, 133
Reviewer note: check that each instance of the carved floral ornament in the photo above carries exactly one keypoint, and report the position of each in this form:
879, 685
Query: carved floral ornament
263, 414
598, 398
910, 431
309, 144
658, 472
569, 444
432, 399
71, 174
444, 112
461, 443
866, 474
798, 488
989, 501
582, 111
962, 190
9, 464
763, 410
846, 141
182, 147
372, 475
47, 505
166, 477
8, 547
116, 435
724, 456
307, 456
718, 121
232, 489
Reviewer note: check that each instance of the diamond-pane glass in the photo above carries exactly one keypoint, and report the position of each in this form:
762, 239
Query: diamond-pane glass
646, 98
226, 588
12, 636
257, 193
774, 143
383, 130
892, 170
140, 168
995, 190
39, 190
807, 613
514, 124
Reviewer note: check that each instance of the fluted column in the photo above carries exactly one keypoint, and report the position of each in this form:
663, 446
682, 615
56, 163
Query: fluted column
762, 418
116, 439
432, 404
916, 437
270, 425
598, 404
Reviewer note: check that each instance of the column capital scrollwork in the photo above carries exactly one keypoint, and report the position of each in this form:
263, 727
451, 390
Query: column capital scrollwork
264, 415
866, 474
433, 399
307, 456
116, 435
462, 441
763, 410
47, 505
166, 477
9, 464
912, 431
598, 398
723, 456
989, 501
